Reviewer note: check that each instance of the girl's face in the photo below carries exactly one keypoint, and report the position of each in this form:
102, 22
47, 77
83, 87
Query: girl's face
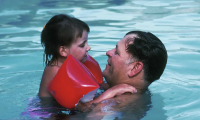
79, 49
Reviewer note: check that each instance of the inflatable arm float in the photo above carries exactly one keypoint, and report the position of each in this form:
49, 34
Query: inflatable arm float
74, 80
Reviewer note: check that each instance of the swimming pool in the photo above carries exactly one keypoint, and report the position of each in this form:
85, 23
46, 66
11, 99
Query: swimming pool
174, 97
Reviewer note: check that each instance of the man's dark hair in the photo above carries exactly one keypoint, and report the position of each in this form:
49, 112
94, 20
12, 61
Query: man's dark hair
148, 49
60, 30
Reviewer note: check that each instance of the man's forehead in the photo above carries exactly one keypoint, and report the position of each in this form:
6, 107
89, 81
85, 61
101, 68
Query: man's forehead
123, 40
130, 36
120, 42
121, 46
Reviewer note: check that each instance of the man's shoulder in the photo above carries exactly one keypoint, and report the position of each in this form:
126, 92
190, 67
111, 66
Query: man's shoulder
124, 100
134, 105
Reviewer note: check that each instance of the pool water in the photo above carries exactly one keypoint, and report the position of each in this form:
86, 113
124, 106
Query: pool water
176, 22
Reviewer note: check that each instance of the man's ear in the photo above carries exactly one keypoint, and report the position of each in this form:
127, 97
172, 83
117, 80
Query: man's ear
135, 68
64, 51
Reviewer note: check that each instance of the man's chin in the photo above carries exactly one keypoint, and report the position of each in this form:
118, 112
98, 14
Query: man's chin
105, 74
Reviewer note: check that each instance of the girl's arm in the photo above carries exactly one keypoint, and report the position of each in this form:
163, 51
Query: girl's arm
110, 93
48, 75
114, 91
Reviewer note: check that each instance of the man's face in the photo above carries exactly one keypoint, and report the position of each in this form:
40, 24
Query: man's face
116, 70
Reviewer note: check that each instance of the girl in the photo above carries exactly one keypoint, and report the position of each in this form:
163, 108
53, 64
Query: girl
62, 35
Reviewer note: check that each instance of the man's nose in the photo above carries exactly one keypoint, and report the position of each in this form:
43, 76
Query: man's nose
109, 53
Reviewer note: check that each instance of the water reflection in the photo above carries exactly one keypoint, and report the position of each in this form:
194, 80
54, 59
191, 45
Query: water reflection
43, 107
124, 107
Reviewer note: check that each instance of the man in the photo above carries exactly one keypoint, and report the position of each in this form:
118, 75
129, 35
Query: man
137, 60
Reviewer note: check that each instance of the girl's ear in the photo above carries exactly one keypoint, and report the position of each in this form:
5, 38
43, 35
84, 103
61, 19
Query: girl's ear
64, 51
135, 68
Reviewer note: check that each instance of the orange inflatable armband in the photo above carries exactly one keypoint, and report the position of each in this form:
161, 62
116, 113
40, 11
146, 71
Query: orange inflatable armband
94, 68
72, 81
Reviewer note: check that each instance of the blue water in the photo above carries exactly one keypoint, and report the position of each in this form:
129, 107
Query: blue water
176, 22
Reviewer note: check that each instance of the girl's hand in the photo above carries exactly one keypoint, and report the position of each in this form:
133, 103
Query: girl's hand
121, 89
114, 91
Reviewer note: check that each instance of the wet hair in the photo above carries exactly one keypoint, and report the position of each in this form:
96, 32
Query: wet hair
60, 30
148, 49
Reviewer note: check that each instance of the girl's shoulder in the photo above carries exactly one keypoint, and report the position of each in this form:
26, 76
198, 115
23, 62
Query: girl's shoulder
49, 73
51, 69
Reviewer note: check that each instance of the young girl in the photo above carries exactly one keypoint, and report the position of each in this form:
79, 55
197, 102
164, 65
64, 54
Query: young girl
61, 36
